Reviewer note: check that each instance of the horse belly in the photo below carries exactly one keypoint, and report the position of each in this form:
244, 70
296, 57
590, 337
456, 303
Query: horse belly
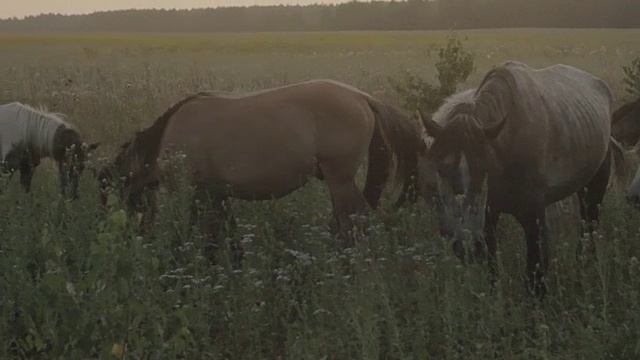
252, 168
267, 180
572, 163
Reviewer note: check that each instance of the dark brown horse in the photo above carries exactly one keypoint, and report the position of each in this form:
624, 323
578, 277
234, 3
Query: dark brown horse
524, 139
266, 144
625, 124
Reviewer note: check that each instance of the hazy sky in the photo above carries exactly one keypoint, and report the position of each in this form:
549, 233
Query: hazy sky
20, 8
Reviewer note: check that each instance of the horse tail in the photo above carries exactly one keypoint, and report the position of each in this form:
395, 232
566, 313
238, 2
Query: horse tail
394, 134
378, 166
618, 161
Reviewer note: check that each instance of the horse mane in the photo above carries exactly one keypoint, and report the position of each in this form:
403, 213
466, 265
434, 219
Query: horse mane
495, 95
147, 141
500, 73
484, 106
38, 126
448, 108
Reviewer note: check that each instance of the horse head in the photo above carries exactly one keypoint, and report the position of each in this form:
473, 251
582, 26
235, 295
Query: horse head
119, 174
107, 176
72, 154
455, 164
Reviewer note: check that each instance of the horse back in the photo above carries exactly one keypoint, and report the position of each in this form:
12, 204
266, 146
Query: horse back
10, 134
555, 103
558, 124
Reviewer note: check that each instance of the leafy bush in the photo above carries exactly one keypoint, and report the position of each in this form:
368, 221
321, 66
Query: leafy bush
632, 79
454, 66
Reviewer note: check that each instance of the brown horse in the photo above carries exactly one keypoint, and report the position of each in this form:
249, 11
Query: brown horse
625, 123
266, 144
524, 139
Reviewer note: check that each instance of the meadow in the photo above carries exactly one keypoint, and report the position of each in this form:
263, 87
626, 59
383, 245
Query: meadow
78, 278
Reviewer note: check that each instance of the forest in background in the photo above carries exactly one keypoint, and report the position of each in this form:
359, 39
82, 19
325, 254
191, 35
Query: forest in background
377, 15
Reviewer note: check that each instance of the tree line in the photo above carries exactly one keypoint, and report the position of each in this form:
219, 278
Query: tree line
377, 15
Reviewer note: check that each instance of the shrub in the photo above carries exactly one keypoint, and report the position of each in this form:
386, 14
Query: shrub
454, 66
632, 77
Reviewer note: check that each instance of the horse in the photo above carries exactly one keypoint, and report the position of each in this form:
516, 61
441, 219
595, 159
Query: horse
524, 139
28, 134
626, 123
265, 144
558, 213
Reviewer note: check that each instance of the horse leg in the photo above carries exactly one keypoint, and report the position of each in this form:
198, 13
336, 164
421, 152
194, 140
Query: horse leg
6, 175
532, 219
346, 198
150, 206
409, 191
490, 229
210, 211
591, 197
142, 199
26, 174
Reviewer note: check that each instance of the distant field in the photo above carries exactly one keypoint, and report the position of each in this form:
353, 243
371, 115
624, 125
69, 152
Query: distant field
160, 68
298, 295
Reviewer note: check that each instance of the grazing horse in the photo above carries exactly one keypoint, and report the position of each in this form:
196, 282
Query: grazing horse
266, 144
28, 134
625, 123
526, 138
557, 213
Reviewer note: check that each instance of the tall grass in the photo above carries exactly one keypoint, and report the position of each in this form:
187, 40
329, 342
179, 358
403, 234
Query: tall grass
78, 278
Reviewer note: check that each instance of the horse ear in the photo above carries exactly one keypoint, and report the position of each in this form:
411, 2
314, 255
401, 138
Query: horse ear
88, 148
493, 131
433, 128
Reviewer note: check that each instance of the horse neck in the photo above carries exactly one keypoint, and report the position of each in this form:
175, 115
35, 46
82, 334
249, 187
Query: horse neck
489, 107
134, 159
146, 144
39, 132
492, 105
64, 138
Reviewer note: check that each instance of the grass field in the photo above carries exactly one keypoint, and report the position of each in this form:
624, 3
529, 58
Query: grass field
77, 278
